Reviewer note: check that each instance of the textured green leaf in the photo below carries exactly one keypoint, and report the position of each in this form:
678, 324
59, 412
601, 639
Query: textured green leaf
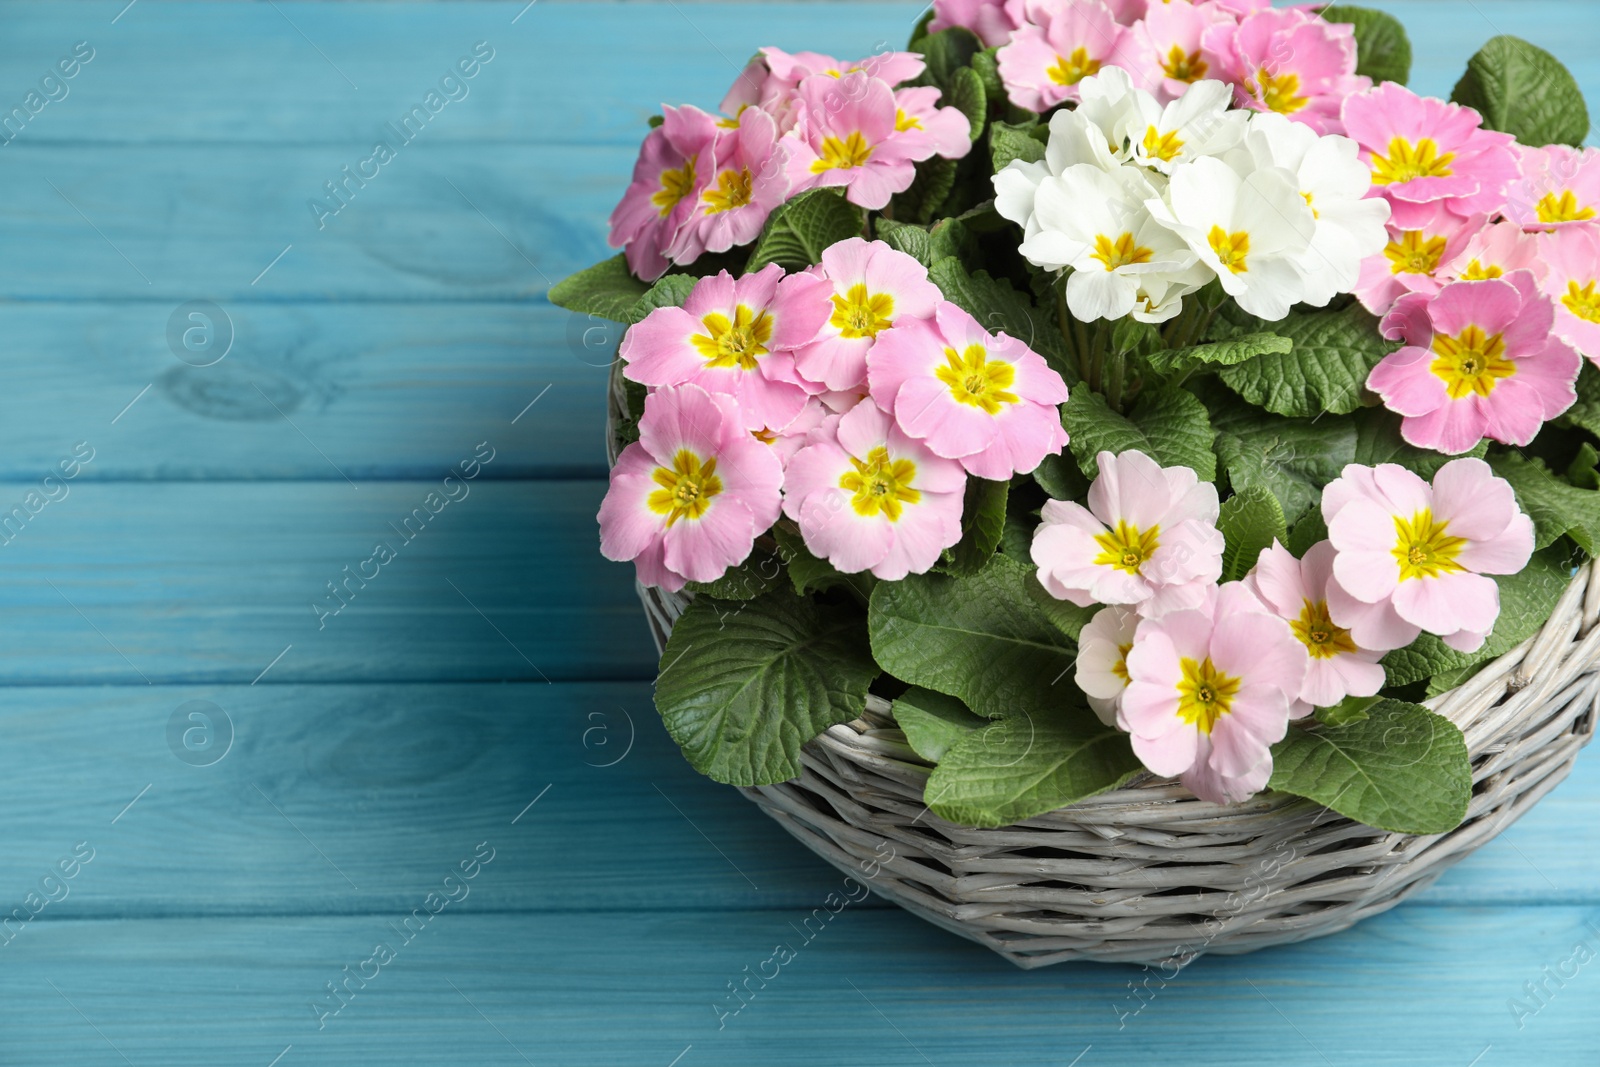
1348, 710
999, 307
1292, 458
1064, 615
987, 68
915, 241
1008, 142
983, 518
1555, 507
808, 573
1378, 441
1307, 532
967, 95
1584, 470
1383, 51
1250, 521
1060, 478
935, 178
759, 574
1443, 683
670, 290
947, 52
1523, 90
797, 231
1585, 414
607, 289
1168, 424
742, 687
1402, 769
933, 722
1220, 353
1526, 600
1025, 766
982, 639
1333, 353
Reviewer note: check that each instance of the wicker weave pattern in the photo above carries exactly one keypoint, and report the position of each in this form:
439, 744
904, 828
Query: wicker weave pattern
1149, 873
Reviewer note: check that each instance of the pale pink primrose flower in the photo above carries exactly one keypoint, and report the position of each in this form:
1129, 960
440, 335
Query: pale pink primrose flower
1287, 60
870, 498
1572, 281
1210, 691
1493, 252
924, 130
1417, 257
1148, 538
1163, 51
1057, 47
772, 79
687, 499
743, 178
847, 136
1101, 669
666, 184
993, 21
785, 441
985, 399
1479, 361
1424, 151
1296, 590
1426, 550
873, 288
733, 336
1557, 187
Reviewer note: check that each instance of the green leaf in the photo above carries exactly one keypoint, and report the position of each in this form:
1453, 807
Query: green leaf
607, 289
1526, 601
757, 575
998, 307
981, 638
1582, 471
670, 290
1250, 521
1402, 769
987, 68
1064, 615
1008, 142
798, 230
1168, 424
1307, 532
929, 190
915, 241
1585, 414
1292, 458
933, 722
967, 95
1443, 683
1383, 52
1220, 353
1021, 767
947, 52
983, 519
808, 573
1555, 507
741, 693
1348, 710
1060, 478
1523, 90
1378, 441
1333, 353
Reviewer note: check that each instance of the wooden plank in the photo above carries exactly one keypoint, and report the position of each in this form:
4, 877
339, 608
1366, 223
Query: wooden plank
169, 582
1418, 986
631, 57
385, 390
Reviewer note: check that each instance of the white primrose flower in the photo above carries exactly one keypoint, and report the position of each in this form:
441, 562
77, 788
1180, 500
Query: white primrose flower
1334, 182
1252, 230
1096, 223
1199, 123
1073, 140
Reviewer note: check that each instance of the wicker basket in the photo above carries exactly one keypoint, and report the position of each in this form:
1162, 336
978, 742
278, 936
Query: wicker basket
1149, 873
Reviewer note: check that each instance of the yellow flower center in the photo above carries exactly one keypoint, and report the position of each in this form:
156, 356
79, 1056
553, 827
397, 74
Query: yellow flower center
880, 485
1126, 547
1162, 146
853, 151
862, 314
904, 122
676, 183
1584, 303
732, 190
977, 380
1477, 272
1314, 212
1406, 161
734, 344
1279, 92
1070, 70
1563, 208
1184, 66
1205, 694
1322, 638
686, 488
1120, 668
1415, 253
1470, 362
1122, 252
1231, 248
1423, 548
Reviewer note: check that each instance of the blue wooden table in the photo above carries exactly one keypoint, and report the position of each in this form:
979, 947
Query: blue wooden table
237, 755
